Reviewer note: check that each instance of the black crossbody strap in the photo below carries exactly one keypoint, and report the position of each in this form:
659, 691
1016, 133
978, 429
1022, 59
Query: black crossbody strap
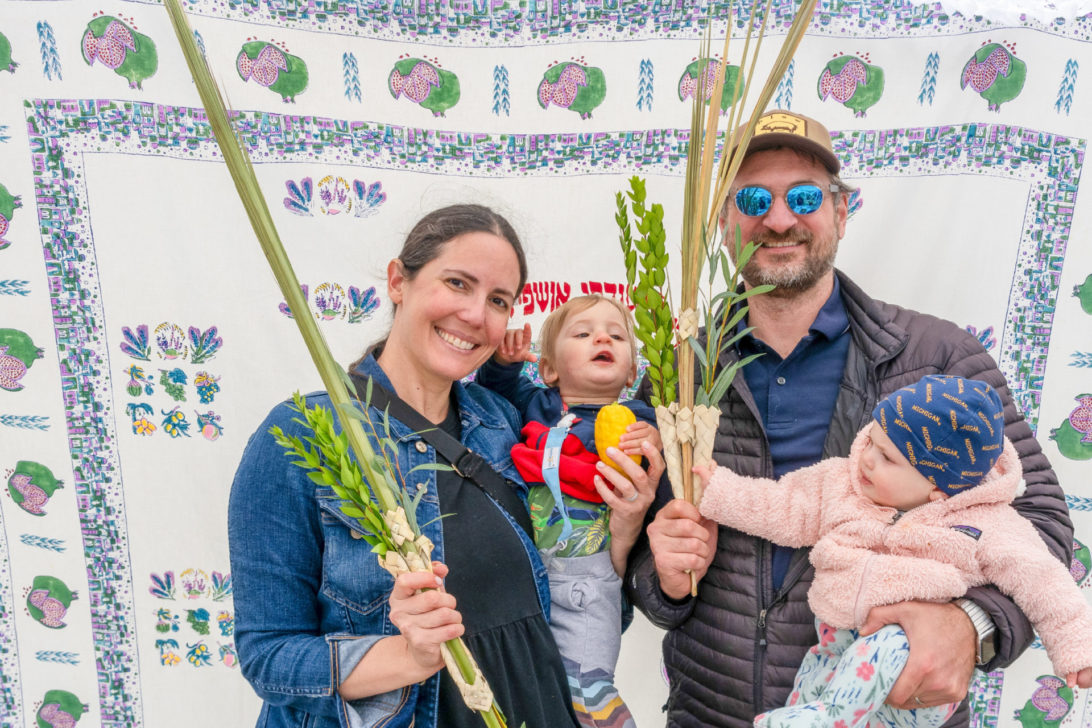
467, 463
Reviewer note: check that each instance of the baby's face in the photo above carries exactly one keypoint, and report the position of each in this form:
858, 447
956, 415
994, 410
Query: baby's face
888, 478
592, 357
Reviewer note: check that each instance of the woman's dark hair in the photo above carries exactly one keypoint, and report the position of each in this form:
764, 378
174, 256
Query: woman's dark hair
433, 231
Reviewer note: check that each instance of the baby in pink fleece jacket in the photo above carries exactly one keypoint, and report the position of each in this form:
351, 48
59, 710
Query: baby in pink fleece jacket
920, 510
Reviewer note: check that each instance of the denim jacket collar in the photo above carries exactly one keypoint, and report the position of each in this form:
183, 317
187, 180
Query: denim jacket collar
471, 412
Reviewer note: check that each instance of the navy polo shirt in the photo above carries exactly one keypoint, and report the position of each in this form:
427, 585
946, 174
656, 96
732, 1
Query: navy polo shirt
795, 396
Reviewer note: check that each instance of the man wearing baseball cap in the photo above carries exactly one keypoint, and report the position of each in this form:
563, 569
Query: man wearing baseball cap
830, 353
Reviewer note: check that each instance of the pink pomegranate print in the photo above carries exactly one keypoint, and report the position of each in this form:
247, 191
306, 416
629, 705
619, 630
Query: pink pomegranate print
33, 496
53, 610
563, 92
688, 86
1047, 699
417, 85
110, 49
843, 84
265, 68
980, 76
12, 370
1081, 418
55, 717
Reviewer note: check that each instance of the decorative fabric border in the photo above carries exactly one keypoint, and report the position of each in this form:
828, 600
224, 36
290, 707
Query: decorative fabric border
62, 132
10, 680
1051, 167
484, 23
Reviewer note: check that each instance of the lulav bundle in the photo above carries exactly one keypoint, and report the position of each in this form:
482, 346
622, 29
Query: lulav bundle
687, 415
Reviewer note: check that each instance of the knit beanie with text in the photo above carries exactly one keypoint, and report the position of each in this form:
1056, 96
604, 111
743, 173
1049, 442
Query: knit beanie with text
951, 429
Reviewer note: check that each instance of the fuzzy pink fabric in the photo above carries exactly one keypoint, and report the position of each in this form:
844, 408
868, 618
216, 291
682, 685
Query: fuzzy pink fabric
865, 557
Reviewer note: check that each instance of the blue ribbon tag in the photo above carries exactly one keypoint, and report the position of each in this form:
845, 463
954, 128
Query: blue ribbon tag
551, 458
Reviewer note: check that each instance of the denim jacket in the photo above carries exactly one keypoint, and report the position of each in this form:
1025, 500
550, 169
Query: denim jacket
310, 596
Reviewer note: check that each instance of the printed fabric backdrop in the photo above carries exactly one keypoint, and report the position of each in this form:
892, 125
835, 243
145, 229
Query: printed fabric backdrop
142, 339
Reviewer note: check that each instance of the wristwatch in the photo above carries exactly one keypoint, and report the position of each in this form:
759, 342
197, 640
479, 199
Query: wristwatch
986, 647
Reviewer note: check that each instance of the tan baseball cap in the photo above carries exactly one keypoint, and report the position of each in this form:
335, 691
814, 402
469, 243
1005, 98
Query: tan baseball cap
780, 128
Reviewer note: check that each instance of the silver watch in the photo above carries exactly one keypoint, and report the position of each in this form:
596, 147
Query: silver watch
986, 647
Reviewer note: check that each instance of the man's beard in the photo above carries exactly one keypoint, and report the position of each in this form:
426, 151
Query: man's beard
796, 277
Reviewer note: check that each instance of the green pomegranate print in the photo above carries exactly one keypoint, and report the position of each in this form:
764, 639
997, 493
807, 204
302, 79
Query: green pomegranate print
60, 709
853, 82
273, 67
995, 73
119, 47
31, 486
1083, 292
6, 62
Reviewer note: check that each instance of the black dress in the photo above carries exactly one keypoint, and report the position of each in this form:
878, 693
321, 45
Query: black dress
494, 588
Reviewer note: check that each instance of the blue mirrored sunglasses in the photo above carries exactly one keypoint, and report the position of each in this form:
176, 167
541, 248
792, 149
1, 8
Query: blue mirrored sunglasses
754, 201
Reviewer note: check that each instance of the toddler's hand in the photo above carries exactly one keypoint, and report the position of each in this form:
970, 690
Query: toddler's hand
704, 473
516, 347
635, 434
1080, 679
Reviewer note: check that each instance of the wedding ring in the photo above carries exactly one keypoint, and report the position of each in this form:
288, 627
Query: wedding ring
918, 701
632, 498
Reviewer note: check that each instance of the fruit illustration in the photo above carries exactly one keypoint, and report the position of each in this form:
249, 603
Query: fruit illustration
1047, 706
1074, 436
60, 709
117, 46
31, 485
424, 84
6, 63
1081, 291
995, 74
268, 65
1081, 563
689, 82
9, 203
1081, 417
573, 86
48, 601
17, 353
610, 425
852, 82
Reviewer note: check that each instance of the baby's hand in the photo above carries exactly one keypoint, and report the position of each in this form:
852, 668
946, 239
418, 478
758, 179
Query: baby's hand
635, 434
1080, 679
516, 347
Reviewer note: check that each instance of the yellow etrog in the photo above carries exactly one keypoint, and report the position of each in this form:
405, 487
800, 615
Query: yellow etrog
610, 423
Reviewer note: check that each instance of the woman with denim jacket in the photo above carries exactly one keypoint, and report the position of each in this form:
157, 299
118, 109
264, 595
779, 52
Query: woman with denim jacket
328, 638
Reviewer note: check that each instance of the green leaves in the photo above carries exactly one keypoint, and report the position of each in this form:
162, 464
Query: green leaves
646, 261
325, 455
